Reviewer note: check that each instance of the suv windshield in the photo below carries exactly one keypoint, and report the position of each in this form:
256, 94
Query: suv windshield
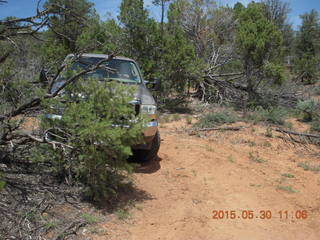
122, 70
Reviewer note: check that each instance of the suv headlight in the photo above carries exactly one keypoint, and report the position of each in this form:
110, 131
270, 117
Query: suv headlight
148, 109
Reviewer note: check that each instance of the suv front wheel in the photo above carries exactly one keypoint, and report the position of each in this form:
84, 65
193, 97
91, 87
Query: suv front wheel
144, 155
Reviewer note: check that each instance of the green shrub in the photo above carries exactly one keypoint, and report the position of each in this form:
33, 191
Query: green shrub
316, 90
97, 133
287, 175
189, 119
275, 72
307, 167
176, 117
2, 183
269, 132
274, 115
216, 119
315, 126
256, 158
122, 214
288, 189
309, 109
89, 218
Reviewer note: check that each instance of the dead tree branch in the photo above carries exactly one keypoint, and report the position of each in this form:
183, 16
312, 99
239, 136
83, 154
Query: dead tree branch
195, 131
301, 138
298, 133
72, 228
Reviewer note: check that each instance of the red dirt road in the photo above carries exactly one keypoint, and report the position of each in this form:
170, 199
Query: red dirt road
229, 171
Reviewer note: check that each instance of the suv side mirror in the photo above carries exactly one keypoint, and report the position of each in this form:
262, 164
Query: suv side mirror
154, 83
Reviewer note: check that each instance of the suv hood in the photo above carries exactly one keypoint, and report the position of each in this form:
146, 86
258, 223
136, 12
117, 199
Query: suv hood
143, 95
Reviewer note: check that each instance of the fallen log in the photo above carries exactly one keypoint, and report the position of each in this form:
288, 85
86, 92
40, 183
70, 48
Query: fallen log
297, 133
71, 229
194, 131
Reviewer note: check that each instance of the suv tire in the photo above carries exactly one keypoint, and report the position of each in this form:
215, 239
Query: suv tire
144, 155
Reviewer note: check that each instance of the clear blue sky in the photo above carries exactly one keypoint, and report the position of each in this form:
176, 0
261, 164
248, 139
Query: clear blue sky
110, 8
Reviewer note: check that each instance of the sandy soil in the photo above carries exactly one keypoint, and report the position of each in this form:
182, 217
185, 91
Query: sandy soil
229, 171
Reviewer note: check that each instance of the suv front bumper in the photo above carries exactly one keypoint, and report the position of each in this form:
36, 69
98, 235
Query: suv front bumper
148, 133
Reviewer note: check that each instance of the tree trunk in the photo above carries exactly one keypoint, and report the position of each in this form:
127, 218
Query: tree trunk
162, 17
250, 82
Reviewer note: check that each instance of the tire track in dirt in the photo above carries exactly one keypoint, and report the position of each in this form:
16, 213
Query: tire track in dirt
195, 176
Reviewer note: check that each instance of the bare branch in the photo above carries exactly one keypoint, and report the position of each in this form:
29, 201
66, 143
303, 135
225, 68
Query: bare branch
194, 132
224, 75
4, 57
298, 133
72, 79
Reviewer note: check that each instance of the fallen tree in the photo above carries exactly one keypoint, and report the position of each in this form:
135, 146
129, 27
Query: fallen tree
37, 175
303, 138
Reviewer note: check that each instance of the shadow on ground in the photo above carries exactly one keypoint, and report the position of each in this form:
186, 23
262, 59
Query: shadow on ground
150, 166
176, 106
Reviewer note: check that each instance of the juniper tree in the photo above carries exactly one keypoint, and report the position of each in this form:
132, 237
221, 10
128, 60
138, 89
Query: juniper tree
65, 25
259, 46
181, 66
308, 48
94, 136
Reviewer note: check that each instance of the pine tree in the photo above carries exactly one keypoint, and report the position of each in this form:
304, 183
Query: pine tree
141, 36
259, 46
134, 18
308, 48
98, 131
181, 66
70, 19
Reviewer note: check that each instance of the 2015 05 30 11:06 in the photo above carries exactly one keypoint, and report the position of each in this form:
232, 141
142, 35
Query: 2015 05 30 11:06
260, 214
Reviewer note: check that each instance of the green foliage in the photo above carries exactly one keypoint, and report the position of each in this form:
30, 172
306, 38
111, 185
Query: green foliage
66, 25
141, 35
307, 68
316, 90
188, 119
308, 167
257, 38
113, 32
276, 11
17, 73
2, 183
54, 53
275, 72
274, 115
122, 214
308, 47
180, 66
287, 175
259, 45
100, 125
309, 108
89, 218
50, 225
176, 117
238, 8
288, 189
99, 37
256, 158
216, 119
315, 126
269, 132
